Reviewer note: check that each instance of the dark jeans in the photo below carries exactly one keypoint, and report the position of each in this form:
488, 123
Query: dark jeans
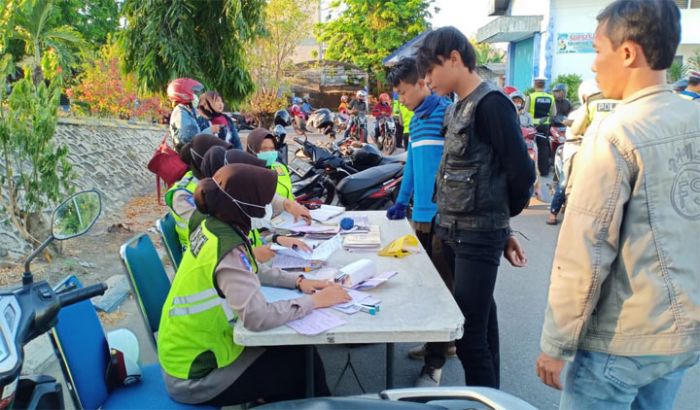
477, 256
443, 258
543, 150
557, 200
278, 374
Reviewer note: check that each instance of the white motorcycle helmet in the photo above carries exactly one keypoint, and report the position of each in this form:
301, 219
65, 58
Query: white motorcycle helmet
586, 89
361, 94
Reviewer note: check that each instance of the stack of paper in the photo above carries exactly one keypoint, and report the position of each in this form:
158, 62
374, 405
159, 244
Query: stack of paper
326, 212
370, 240
296, 258
316, 322
286, 221
359, 299
356, 272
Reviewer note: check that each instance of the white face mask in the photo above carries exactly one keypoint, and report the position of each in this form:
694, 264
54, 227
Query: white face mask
238, 203
265, 221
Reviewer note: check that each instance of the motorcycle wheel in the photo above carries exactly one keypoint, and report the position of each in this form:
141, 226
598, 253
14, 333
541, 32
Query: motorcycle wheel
389, 144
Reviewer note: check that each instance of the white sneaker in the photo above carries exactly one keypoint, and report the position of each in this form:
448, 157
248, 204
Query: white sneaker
429, 377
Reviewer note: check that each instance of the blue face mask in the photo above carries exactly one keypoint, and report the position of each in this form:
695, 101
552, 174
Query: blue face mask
270, 157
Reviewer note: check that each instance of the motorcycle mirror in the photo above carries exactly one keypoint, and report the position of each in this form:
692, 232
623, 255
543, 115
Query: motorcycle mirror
76, 215
72, 218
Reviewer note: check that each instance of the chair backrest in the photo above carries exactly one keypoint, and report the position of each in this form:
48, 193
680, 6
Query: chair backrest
166, 227
148, 279
82, 348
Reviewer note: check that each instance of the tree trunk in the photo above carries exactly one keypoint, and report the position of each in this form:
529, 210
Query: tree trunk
40, 228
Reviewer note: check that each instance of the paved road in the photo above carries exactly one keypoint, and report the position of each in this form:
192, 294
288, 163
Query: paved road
521, 298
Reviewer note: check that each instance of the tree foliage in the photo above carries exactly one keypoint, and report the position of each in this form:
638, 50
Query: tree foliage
367, 31
96, 20
191, 38
106, 91
35, 170
33, 22
486, 53
287, 22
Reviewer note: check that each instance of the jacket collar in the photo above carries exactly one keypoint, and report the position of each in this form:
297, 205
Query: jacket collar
646, 92
427, 106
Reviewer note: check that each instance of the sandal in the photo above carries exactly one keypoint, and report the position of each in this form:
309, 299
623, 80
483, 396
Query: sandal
552, 219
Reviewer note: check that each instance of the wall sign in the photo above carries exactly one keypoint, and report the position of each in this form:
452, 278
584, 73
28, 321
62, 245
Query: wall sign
568, 43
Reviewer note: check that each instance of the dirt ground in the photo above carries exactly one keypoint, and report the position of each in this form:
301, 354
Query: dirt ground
94, 257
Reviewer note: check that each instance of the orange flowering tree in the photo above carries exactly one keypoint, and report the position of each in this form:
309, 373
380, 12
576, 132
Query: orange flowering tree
104, 90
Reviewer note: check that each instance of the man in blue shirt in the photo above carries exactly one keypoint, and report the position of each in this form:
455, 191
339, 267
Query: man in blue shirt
692, 91
424, 153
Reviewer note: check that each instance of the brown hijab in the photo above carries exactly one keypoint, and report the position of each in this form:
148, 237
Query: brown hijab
217, 157
236, 193
193, 152
256, 138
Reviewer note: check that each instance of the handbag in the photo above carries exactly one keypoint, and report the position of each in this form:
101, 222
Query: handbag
167, 166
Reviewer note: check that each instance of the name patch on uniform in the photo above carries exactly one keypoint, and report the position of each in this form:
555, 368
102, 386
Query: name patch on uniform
246, 262
197, 241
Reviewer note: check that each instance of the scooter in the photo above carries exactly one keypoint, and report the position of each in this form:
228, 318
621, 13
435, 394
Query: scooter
32, 310
280, 134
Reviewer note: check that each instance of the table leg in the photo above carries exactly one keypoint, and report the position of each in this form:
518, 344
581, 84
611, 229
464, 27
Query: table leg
389, 365
309, 353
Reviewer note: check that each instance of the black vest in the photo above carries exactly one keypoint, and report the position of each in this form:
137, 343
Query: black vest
471, 190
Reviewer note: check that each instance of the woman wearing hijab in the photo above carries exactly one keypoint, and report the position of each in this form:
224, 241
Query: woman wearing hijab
179, 198
219, 282
211, 107
262, 143
216, 158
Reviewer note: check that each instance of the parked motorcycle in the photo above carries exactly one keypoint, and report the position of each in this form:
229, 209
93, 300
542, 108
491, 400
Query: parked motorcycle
323, 120
320, 171
32, 310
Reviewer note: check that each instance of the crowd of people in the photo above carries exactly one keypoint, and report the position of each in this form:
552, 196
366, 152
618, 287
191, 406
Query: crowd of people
623, 307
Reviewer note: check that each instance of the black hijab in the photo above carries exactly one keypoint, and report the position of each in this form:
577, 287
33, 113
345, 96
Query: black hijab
217, 157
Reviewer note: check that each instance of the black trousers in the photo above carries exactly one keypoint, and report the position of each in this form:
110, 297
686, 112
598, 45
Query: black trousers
277, 375
443, 258
543, 150
477, 256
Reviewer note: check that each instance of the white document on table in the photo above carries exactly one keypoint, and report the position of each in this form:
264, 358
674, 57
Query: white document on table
356, 272
285, 261
358, 298
320, 253
286, 221
316, 322
326, 212
375, 281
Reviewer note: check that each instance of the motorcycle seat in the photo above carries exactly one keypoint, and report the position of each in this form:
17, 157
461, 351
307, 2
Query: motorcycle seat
369, 177
395, 158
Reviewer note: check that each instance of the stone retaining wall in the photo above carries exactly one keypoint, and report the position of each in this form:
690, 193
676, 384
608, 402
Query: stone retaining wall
110, 156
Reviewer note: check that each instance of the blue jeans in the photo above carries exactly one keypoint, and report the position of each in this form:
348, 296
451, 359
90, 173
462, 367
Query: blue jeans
557, 200
605, 381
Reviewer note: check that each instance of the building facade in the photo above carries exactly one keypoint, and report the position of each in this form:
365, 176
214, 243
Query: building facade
555, 37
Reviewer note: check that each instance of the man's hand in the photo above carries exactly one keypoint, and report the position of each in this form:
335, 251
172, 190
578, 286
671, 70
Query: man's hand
549, 370
263, 253
514, 252
297, 210
293, 243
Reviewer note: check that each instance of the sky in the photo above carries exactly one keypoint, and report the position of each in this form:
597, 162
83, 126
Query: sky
466, 15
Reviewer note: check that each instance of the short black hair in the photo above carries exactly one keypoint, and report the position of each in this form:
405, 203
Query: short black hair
694, 81
405, 70
439, 44
653, 24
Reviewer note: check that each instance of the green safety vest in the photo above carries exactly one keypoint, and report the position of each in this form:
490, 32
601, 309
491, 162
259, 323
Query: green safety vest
195, 335
284, 181
540, 108
254, 238
187, 183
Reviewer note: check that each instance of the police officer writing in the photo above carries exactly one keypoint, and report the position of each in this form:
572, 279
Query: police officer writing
218, 283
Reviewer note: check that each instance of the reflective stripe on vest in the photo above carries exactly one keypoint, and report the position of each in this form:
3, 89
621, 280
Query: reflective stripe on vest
196, 326
284, 181
540, 107
187, 183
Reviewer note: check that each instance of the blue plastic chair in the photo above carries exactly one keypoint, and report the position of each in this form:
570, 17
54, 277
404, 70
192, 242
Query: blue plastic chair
148, 279
84, 353
168, 234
